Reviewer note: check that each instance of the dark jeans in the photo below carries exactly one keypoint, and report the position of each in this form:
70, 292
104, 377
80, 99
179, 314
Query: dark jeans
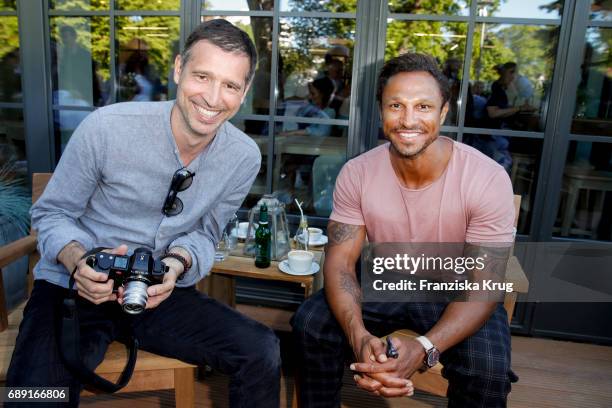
188, 326
477, 369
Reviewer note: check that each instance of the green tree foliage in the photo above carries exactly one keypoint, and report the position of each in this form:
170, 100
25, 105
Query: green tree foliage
93, 34
333, 6
8, 5
147, 4
119, 4
427, 6
79, 4
531, 48
153, 34
157, 35
442, 40
488, 51
304, 41
9, 35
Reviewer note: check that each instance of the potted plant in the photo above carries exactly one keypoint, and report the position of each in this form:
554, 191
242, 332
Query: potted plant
15, 202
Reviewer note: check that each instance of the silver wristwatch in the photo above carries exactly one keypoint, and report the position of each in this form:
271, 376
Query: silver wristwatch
432, 354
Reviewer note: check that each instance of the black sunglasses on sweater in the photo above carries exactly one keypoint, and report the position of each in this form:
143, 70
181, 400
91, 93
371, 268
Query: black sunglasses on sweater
181, 181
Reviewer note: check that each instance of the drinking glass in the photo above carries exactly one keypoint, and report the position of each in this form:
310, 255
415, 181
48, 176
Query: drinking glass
228, 241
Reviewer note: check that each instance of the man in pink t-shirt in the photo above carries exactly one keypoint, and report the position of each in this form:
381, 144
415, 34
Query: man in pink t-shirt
419, 188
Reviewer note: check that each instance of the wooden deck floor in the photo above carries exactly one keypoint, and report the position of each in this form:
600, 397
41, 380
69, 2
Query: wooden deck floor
552, 374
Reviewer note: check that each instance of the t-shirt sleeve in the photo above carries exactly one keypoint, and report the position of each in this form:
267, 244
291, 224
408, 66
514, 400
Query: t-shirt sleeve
347, 196
491, 217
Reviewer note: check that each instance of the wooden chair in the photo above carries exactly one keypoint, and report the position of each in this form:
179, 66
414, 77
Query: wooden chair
431, 380
152, 372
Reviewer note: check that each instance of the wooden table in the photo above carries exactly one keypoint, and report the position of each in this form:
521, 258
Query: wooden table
221, 285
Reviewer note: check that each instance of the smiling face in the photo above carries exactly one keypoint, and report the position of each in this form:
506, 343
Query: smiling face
412, 112
211, 87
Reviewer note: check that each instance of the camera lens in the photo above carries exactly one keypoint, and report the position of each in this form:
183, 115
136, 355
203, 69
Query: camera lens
135, 297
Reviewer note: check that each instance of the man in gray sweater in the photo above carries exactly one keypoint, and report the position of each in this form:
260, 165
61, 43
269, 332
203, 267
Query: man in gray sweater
111, 189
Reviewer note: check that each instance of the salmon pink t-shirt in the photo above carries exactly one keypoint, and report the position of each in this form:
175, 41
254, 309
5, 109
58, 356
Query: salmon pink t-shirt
472, 201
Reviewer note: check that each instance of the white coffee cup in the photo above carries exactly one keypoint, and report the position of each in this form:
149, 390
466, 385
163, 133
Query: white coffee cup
314, 234
300, 261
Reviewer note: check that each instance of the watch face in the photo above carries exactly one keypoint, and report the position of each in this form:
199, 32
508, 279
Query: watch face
433, 356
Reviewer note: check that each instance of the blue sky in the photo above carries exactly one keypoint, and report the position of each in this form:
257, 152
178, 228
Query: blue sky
525, 8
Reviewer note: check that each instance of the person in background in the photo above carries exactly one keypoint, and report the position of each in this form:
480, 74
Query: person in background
320, 93
500, 111
520, 91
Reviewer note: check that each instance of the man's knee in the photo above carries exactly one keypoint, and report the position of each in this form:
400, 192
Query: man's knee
271, 345
486, 354
312, 315
264, 352
491, 367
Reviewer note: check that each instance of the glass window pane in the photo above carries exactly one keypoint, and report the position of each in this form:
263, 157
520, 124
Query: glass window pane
259, 30
12, 142
238, 5
79, 4
446, 7
443, 40
146, 48
305, 167
521, 8
511, 76
10, 69
585, 208
258, 131
64, 123
314, 67
80, 60
601, 10
147, 4
593, 112
334, 6
8, 5
521, 159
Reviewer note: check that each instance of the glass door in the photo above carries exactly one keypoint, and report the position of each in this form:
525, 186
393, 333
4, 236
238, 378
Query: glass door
580, 173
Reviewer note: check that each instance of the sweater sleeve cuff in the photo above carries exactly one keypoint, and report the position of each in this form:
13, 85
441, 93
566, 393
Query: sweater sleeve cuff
54, 246
201, 262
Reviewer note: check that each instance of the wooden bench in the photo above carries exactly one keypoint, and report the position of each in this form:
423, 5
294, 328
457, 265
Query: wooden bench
152, 372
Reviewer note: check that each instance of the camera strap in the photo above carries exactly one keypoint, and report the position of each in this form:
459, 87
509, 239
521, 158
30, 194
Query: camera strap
69, 345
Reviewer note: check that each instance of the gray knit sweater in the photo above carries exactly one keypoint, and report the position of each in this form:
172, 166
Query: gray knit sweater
111, 182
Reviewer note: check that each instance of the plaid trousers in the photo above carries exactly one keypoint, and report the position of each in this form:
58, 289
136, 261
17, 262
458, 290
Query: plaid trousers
477, 369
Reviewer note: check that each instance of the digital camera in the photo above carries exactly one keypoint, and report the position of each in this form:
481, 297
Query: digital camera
135, 273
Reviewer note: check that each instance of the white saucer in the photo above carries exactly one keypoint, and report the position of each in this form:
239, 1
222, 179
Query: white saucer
284, 267
320, 241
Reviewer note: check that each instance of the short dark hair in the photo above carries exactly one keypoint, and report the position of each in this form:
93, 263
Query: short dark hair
326, 87
412, 62
509, 65
226, 36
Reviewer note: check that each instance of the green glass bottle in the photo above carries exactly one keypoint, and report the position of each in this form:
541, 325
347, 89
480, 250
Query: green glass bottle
262, 240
